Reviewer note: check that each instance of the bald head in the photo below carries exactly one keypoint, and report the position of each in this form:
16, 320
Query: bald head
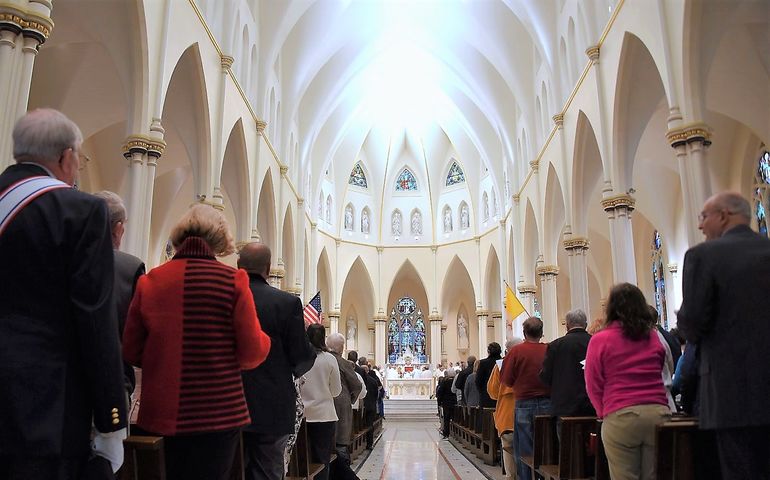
722, 212
335, 342
255, 258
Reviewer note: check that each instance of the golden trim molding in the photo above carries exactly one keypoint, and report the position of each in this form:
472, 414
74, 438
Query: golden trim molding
576, 243
226, 61
482, 313
534, 165
25, 22
558, 119
435, 317
689, 133
143, 144
380, 317
622, 200
284, 170
261, 125
547, 270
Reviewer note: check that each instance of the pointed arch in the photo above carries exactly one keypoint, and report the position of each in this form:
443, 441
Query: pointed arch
458, 297
358, 176
587, 171
455, 174
266, 211
638, 93
235, 180
492, 286
407, 281
406, 181
553, 224
358, 294
531, 243
324, 281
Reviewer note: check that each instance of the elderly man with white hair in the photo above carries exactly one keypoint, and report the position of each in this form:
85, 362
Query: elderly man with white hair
60, 361
343, 404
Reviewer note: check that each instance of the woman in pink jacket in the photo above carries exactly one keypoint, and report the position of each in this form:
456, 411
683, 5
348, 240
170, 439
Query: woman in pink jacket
624, 382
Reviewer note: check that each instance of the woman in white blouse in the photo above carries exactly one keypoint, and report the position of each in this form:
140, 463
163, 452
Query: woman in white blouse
322, 384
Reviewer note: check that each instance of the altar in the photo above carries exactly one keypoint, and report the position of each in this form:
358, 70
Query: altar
410, 388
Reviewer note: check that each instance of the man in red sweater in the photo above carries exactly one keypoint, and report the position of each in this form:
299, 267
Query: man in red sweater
521, 370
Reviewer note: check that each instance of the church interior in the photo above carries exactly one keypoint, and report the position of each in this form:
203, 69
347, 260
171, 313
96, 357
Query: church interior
412, 160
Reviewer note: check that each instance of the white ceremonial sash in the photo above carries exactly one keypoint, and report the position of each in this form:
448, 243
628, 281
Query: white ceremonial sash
18, 195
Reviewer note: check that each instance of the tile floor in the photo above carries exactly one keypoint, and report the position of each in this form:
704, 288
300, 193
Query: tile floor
415, 450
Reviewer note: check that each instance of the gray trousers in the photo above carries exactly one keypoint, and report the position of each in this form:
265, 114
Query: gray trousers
263, 453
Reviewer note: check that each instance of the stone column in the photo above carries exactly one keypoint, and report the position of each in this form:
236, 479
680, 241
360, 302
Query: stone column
496, 323
690, 145
550, 314
275, 277
436, 338
380, 339
577, 251
142, 153
482, 316
22, 31
255, 235
334, 321
370, 353
673, 292
299, 247
527, 296
443, 343
619, 208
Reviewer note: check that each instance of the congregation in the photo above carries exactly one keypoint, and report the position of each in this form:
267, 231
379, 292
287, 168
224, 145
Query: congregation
223, 354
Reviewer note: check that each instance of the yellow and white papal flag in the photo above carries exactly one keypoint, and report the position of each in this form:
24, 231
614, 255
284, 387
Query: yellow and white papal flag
516, 314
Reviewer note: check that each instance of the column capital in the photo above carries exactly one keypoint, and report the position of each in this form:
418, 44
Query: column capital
380, 318
284, 170
534, 165
277, 272
516, 197
333, 314
433, 248
337, 242
300, 202
226, 61
482, 313
693, 132
261, 126
380, 249
143, 144
215, 205
435, 317
576, 243
525, 289
615, 201
593, 53
496, 314
29, 24
558, 119
296, 291
547, 270
672, 267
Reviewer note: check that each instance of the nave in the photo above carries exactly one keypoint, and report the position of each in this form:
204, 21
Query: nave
414, 450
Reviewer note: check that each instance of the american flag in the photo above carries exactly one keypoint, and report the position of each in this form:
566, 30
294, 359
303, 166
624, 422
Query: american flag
312, 311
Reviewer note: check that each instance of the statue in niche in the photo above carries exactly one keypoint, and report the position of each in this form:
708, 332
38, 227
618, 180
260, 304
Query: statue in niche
486, 208
464, 222
494, 204
396, 223
320, 207
365, 221
447, 220
329, 209
349, 218
350, 332
416, 223
462, 332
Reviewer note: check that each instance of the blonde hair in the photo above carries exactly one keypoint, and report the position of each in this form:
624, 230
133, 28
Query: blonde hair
208, 223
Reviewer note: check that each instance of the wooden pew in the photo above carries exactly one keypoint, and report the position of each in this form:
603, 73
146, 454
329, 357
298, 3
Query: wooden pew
545, 445
143, 459
489, 439
675, 447
575, 457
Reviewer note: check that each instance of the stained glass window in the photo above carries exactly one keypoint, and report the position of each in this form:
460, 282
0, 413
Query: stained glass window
406, 181
659, 278
357, 176
762, 192
406, 333
455, 175
169, 252
536, 307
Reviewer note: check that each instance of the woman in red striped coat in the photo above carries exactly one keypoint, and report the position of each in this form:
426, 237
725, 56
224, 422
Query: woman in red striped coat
192, 327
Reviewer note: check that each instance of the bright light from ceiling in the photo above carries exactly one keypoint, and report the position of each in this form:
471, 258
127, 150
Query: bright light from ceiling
404, 83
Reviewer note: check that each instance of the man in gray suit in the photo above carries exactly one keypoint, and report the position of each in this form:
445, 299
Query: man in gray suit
343, 404
726, 311
128, 269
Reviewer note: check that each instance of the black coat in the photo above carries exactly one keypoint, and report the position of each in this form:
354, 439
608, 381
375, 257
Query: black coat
726, 311
128, 269
444, 395
372, 391
482, 377
462, 377
269, 388
563, 372
60, 362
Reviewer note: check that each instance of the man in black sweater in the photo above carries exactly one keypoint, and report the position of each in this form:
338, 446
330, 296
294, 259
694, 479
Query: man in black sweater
484, 372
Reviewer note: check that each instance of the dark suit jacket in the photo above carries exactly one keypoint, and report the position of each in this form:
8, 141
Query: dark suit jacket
343, 403
461, 378
563, 372
60, 359
128, 269
269, 388
482, 377
372, 391
726, 310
